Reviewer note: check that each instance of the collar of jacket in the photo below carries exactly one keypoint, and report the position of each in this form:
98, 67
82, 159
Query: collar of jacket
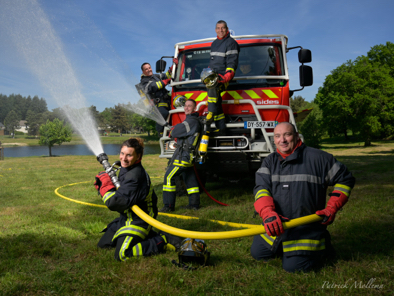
195, 114
296, 153
129, 168
225, 36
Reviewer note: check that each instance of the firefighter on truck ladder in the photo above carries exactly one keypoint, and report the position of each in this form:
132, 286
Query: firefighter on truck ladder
155, 86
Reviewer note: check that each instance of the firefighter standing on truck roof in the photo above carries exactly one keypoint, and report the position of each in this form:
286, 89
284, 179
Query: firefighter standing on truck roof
293, 182
155, 86
224, 61
187, 134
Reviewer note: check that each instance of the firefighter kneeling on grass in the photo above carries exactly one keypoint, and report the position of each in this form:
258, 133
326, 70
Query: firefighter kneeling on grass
187, 133
129, 234
291, 183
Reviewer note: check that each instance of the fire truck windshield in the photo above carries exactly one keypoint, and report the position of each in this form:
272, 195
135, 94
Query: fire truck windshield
258, 59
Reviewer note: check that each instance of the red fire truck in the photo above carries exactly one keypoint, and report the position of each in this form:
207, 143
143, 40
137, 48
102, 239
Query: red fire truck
255, 101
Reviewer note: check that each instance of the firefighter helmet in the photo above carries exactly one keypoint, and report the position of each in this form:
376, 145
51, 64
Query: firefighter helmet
179, 101
193, 250
209, 77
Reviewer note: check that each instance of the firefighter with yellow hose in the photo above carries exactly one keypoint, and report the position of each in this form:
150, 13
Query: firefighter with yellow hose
128, 234
291, 183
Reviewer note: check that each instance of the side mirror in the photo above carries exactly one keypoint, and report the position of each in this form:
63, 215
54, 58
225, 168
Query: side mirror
161, 66
304, 56
306, 75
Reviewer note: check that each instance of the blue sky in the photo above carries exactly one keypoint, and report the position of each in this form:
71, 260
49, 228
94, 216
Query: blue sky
102, 44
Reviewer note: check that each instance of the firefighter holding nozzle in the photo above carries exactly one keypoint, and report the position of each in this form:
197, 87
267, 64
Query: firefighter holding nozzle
291, 183
155, 86
223, 62
129, 234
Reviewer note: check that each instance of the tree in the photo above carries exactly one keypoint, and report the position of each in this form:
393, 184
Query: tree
297, 103
54, 132
383, 55
119, 120
141, 123
311, 127
358, 95
11, 122
33, 122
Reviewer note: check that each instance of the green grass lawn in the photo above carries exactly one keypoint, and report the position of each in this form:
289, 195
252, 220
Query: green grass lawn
48, 244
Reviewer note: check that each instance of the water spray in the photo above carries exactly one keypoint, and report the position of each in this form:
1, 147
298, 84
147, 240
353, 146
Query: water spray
110, 170
146, 107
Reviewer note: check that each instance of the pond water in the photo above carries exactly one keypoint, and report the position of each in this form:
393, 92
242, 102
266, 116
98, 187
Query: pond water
109, 149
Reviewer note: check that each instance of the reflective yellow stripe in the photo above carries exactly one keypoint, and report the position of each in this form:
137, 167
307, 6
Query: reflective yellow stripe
183, 163
343, 188
124, 247
162, 105
201, 97
230, 69
137, 250
269, 239
193, 190
252, 94
188, 96
212, 100
234, 94
270, 93
218, 117
159, 84
131, 230
261, 193
169, 188
108, 195
304, 245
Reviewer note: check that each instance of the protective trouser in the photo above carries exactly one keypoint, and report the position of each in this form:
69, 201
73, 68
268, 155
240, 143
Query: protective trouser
132, 245
169, 187
215, 107
164, 112
260, 251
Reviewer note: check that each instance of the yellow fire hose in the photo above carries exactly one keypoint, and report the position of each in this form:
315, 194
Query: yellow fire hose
250, 231
259, 229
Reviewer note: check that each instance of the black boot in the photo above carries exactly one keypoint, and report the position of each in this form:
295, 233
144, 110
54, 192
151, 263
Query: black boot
172, 241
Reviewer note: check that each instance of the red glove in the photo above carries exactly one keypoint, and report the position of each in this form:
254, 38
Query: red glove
226, 77
337, 200
166, 81
175, 61
265, 207
103, 183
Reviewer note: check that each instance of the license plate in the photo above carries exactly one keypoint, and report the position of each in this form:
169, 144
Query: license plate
260, 124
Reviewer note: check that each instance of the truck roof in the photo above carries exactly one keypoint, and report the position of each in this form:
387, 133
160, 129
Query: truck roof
242, 39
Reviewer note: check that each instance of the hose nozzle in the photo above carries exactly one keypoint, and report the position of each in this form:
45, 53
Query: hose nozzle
103, 159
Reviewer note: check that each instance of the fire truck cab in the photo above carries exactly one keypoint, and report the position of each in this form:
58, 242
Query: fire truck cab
256, 100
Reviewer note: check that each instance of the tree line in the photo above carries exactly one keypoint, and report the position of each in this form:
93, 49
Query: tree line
356, 98
15, 108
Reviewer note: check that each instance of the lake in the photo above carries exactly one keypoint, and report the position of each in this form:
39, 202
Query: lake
109, 149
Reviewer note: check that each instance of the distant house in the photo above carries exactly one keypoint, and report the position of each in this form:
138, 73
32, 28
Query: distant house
2, 129
22, 127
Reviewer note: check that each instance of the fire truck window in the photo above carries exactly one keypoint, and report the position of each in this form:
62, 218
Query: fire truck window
259, 60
